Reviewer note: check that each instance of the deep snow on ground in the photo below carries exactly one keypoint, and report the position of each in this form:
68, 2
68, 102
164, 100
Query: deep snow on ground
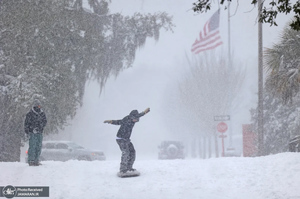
269, 177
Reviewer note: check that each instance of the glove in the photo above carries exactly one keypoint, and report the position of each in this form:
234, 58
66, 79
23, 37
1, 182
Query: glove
147, 110
108, 121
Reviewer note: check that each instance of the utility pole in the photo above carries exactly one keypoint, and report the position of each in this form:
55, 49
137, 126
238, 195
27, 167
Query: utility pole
229, 71
260, 84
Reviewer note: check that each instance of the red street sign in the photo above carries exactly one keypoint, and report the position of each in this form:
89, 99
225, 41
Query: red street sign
222, 127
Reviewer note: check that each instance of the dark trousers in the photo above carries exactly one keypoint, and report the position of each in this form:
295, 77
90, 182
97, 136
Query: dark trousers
35, 147
128, 154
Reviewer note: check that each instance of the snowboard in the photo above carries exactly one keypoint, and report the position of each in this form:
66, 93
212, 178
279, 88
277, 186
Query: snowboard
128, 174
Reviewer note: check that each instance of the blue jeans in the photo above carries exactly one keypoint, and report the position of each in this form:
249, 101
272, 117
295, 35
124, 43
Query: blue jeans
128, 154
35, 147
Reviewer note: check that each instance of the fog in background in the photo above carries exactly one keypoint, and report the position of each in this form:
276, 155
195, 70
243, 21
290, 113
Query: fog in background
158, 69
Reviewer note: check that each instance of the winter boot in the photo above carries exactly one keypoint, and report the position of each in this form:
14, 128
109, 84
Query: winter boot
37, 164
31, 163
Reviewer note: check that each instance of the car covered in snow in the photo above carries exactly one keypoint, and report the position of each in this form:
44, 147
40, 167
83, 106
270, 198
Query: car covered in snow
67, 150
171, 150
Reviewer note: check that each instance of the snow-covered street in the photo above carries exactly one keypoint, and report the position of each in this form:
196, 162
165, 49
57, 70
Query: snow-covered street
270, 177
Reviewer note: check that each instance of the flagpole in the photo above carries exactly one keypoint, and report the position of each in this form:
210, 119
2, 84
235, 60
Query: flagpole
260, 123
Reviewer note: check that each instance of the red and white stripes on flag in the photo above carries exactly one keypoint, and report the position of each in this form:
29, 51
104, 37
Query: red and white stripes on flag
210, 37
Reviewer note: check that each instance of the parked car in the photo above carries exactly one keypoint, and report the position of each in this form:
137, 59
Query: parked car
171, 150
67, 150
232, 152
294, 144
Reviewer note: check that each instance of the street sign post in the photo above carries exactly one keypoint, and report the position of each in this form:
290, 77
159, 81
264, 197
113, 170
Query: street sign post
222, 128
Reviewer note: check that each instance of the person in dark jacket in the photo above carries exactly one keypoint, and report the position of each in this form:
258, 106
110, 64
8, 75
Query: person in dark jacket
123, 138
35, 122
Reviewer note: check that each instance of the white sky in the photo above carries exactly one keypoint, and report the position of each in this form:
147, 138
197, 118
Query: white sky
159, 65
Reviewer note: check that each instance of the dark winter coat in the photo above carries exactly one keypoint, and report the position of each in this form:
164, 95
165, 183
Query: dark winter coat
35, 119
127, 124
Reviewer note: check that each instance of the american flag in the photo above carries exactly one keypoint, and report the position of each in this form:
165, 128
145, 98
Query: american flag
210, 37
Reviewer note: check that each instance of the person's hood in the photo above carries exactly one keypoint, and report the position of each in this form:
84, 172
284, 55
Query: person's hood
36, 102
134, 114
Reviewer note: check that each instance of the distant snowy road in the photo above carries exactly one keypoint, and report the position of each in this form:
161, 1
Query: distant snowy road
270, 177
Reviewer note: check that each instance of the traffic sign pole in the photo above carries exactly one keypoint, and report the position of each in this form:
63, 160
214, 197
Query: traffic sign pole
222, 128
223, 147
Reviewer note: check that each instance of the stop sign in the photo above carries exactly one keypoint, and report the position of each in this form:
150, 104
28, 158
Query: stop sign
222, 127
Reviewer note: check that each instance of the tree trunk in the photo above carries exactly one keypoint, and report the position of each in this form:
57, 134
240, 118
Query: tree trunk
200, 148
216, 145
193, 149
204, 147
10, 131
209, 146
